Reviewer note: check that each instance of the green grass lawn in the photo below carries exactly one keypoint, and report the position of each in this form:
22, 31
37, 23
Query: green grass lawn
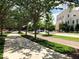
67, 38
55, 46
2, 40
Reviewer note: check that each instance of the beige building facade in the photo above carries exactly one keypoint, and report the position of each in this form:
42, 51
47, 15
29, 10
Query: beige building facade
68, 16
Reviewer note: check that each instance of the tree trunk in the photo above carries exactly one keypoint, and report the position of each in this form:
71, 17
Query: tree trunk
19, 31
48, 32
19, 28
1, 31
26, 29
35, 30
35, 34
1, 28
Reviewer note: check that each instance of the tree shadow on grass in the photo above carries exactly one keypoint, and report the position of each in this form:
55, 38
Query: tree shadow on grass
46, 35
3, 36
2, 41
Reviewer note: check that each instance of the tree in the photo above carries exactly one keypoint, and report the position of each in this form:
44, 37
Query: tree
62, 27
77, 26
26, 19
37, 8
5, 6
65, 26
11, 24
25, 14
41, 25
17, 15
30, 26
72, 26
48, 22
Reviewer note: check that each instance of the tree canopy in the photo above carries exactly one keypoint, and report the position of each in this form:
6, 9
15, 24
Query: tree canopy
28, 10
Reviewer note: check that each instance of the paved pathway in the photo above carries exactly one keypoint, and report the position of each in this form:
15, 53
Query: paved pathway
60, 41
76, 35
17, 47
68, 34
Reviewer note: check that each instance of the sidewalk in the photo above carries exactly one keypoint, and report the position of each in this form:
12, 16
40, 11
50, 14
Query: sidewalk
17, 47
68, 34
60, 41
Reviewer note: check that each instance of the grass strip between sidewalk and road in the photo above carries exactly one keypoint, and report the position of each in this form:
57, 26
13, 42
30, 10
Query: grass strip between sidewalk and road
55, 46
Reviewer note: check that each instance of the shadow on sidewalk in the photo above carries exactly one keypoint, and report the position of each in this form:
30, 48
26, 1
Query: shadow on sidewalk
28, 48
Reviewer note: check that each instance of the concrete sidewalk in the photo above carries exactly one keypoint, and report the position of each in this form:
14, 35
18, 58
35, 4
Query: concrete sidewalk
17, 47
68, 34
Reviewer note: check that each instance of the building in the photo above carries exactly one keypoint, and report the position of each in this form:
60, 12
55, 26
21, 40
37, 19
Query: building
70, 16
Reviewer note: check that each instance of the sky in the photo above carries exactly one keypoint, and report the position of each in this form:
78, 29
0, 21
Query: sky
57, 10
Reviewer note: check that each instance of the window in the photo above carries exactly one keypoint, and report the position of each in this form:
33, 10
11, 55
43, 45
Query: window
74, 15
77, 21
68, 15
73, 21
68, 22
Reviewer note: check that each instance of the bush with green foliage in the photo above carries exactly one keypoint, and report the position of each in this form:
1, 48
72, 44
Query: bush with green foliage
66, 27
77, 27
